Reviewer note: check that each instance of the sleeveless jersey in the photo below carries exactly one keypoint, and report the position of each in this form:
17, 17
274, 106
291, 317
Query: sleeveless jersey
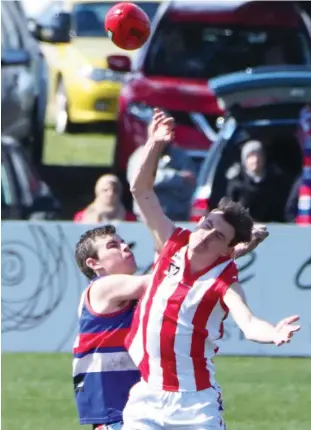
178, 321
103, 372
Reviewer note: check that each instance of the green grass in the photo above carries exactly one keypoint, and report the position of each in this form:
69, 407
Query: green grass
78, 149
259, 393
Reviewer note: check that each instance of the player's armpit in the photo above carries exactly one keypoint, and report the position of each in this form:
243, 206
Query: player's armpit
119, 288
160, 226
254, 328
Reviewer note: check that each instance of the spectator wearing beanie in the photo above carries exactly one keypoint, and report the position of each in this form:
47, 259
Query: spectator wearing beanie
258, 185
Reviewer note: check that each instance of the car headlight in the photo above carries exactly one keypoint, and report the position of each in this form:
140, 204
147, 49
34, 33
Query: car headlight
141, 111
99, 75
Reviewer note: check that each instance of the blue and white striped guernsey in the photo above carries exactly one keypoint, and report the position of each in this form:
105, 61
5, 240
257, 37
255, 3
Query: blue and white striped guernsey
103, 372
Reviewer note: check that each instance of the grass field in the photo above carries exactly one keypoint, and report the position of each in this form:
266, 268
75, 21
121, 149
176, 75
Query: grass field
88, 149
259, 393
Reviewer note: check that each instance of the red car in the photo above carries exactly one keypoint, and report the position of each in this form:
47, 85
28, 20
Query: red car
192, 42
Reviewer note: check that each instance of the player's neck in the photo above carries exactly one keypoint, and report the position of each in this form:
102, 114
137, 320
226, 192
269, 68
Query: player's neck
199, 262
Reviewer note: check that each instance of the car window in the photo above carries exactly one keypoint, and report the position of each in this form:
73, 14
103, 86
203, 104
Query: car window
198, 50
10, 29
27, 180
88, 18
45, 18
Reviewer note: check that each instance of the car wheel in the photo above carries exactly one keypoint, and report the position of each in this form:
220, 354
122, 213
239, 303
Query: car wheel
62, 121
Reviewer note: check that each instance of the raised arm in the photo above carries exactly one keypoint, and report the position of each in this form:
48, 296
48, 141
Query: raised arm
151, 212
110, 291
254, 328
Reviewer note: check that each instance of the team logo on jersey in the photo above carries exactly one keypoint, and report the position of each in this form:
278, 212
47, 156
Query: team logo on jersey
172, 270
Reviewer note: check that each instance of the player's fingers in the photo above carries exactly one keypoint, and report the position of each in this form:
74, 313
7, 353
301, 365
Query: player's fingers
168, 121
294, 328
260, 226
158, 120
260, 234
290, 320
158, 117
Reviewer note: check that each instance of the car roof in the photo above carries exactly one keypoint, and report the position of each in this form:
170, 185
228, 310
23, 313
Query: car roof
245, 12
197, 5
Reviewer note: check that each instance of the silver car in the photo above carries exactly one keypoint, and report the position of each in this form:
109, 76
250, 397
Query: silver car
23, 81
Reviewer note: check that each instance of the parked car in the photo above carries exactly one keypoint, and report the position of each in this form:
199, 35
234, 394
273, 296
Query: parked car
23, 81
264, 105
23, 194
82, 90
191, 43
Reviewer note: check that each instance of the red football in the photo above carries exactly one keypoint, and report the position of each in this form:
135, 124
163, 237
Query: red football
127, 25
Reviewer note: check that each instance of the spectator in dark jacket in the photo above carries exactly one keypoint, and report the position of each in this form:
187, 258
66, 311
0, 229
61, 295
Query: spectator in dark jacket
259, 186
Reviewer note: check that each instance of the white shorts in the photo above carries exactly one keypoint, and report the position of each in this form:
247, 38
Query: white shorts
147, 409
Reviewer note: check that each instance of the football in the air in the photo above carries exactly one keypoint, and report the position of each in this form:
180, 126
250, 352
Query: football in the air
127, 25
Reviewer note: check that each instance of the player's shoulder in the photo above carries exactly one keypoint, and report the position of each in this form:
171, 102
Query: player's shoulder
229, 274
178, 239
180, 235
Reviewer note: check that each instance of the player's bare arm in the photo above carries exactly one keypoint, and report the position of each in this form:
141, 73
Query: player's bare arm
109, 293
160, 133
254, 328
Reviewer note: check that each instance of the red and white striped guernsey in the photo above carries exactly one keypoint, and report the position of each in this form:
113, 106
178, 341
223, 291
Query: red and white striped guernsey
179, 319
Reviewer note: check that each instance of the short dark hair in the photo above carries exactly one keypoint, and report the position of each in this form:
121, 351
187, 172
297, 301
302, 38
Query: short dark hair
86, 248
238, 216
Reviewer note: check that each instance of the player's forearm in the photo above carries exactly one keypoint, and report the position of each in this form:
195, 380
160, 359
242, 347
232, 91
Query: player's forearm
144, 177
260, 331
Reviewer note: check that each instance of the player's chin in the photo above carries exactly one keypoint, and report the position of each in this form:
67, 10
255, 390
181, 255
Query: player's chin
131, 266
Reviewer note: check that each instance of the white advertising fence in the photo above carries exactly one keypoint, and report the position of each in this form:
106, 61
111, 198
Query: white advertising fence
41, 285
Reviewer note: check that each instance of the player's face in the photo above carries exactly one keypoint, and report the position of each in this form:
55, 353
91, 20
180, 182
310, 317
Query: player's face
212, 235
114, 257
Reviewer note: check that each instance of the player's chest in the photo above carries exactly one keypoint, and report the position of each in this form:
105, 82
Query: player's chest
177, 290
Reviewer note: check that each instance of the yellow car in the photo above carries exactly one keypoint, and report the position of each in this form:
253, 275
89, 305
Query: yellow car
82, 90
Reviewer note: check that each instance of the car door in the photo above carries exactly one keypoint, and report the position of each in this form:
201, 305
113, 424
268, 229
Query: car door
263, 95
18, 79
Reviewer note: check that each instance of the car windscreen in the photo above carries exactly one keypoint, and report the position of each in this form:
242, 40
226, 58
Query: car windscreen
88, 18
198, 50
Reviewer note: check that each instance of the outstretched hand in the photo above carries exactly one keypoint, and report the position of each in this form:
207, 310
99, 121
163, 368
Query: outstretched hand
285, 329
259, 234
161, 128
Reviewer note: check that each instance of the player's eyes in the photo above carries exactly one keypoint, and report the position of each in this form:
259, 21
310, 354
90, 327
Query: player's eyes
113, 245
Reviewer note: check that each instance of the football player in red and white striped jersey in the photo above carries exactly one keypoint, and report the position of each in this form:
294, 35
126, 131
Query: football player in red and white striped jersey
194, 286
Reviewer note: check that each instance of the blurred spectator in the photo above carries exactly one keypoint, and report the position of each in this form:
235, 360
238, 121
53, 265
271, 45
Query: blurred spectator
174, 182
259, 186
107, 205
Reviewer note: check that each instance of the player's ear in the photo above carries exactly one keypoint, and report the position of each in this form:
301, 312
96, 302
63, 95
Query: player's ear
92, 263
